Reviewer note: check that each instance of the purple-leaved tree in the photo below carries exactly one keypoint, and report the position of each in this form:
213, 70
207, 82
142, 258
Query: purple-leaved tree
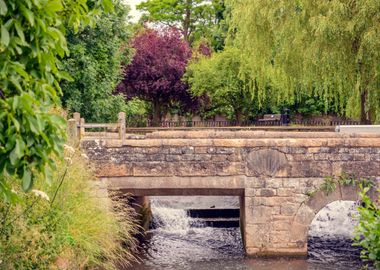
155, 73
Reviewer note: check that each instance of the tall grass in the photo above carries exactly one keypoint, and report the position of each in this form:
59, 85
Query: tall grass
75, 226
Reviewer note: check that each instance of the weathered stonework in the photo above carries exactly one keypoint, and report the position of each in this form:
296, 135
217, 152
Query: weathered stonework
271, 172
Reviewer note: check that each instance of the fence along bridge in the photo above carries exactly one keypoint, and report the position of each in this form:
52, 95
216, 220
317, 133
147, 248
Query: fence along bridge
277, 175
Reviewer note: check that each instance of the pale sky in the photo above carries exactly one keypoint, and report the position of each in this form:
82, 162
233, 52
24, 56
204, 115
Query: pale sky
134, 13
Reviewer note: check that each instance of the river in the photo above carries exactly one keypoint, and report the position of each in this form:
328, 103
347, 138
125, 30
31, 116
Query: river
181, 242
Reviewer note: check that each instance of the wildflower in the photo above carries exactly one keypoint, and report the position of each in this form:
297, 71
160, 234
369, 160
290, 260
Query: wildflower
69, 148
41, 194
68, 160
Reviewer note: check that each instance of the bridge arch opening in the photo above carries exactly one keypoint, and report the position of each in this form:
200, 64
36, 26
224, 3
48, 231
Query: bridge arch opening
194, 228
331, 231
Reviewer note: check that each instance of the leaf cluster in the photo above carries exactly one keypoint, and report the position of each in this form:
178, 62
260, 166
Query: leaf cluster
367, 232
32, 41
95, 64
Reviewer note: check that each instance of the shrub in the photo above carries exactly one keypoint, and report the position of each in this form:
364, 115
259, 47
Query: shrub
367, 232
68, 226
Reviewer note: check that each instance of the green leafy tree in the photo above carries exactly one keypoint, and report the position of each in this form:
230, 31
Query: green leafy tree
219, 77
96, 56
329, 47
32, 39
194, 18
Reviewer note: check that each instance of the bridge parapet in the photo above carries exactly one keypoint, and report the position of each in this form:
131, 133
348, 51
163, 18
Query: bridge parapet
274, 173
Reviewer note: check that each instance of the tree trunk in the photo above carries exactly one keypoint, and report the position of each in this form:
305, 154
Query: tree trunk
156, 120
187, 20
364, 120
238, 116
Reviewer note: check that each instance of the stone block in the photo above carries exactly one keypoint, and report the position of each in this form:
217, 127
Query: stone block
254, 182
273, 183
258, 214
289, 209
285, 192
113, 169
267, 192
224, 150
282, 237
200, 150
175, 151
152, 169
257, 235
291, 183
304, 215
282, 225
229, 168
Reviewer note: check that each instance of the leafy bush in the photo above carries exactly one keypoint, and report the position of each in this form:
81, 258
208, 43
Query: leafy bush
68, 226
136, 111
367, 232
32, 41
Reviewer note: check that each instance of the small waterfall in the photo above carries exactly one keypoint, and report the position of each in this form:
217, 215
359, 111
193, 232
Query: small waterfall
170, 219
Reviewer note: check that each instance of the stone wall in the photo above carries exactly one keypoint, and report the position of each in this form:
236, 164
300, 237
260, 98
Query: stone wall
272, 172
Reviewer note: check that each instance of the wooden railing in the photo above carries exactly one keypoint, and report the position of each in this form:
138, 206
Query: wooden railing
77, 127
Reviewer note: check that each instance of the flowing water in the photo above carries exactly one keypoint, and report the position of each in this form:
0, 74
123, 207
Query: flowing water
180, 242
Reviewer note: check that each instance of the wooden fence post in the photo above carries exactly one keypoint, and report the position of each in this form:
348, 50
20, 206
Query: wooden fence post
72, 131
82, 130
76, 117
122, 128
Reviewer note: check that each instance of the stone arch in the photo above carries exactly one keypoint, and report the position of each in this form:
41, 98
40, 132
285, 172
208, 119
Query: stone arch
310, 208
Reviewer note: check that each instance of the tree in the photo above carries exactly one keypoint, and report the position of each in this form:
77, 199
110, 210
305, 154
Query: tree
95, 63
219, 77
32, 41
156, 71
329, 47
194, 18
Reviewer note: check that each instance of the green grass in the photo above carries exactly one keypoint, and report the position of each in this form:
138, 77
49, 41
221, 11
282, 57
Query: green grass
78, 229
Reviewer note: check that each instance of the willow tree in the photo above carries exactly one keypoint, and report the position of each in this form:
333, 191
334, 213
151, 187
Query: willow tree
330, 48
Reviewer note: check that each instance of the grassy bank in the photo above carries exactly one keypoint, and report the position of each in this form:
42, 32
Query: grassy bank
67, 224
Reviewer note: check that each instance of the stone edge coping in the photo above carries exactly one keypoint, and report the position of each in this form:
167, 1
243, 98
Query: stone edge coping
254, 134
259, 142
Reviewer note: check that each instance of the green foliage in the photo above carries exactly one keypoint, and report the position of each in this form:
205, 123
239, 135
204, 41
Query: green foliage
220, 77
195, 18
136, 112
75, 231
32, 39
367, 232
330, 183
329, 48
96, 56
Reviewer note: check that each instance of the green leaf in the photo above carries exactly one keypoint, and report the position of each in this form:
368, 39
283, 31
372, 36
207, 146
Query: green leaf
27, 180
20, 69
54, 6
17, 152
27, 14
34, 125
19, 30
3, 8
4, 35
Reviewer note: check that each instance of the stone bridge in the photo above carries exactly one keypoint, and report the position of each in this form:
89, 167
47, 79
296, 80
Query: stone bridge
279, 176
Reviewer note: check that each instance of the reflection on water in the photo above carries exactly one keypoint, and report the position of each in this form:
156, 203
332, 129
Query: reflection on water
177, 242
